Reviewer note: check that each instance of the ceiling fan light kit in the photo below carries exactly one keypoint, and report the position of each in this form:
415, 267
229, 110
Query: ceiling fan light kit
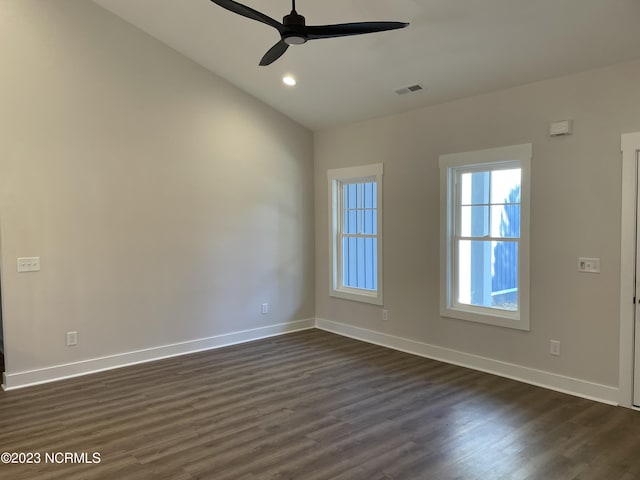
294, 40
294, 31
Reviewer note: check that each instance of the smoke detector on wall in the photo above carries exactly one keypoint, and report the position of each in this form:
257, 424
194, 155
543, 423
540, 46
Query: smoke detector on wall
561, 127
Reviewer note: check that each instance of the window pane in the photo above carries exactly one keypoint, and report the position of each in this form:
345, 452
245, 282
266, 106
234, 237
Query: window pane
350, 195
369, 222
504, 279
350, 221
359, 209
505, 221
372, 278
474, 272
359, 267
350, 273
505, 186
488, 274
360, 264
474, 188
474, 221
374, 192
369, 196
345, 260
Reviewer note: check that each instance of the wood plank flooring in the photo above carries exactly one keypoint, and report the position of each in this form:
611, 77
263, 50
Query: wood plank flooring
311, 406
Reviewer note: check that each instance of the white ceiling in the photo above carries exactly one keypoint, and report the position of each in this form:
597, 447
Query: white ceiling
454, 48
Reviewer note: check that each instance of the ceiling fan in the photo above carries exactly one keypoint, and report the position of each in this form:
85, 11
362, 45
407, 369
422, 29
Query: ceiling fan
293, 30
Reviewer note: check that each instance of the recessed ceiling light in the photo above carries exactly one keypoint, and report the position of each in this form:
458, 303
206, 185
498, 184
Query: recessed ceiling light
289, 80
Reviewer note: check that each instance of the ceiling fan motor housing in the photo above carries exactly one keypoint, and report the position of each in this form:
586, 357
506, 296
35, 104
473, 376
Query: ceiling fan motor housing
293, 20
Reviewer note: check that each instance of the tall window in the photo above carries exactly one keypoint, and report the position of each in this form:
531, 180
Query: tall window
485, 236
355, 220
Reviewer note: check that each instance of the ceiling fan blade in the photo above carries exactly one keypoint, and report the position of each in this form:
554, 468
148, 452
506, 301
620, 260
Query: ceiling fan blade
314, 32
274, 53
248, 12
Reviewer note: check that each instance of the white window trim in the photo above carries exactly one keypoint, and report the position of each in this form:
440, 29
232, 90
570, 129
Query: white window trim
448, 308
335, 177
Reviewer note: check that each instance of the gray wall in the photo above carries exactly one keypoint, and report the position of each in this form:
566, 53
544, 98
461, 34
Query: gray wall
165, 204
576, 190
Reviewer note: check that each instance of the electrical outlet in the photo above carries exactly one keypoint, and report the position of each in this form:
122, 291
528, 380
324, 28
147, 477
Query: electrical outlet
264, 309
385, 315
554, 347
72, 339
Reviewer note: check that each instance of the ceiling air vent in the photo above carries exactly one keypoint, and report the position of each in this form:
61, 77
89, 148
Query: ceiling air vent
409, 89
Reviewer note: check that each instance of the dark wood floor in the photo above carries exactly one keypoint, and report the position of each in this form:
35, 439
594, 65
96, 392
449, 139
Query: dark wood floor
312, 405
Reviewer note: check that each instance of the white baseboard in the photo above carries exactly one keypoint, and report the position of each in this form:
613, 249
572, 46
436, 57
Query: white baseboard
58, 372
573, 386
552, 381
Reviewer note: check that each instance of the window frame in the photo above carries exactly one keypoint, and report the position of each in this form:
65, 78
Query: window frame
336, 179
451, 166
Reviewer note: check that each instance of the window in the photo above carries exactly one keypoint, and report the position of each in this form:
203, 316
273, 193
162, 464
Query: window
484, 270
355, 221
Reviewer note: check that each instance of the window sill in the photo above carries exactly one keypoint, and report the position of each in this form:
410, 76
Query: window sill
488, 316
374, 298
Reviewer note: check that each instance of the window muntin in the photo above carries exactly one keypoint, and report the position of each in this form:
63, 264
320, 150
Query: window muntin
484, 236
355, 221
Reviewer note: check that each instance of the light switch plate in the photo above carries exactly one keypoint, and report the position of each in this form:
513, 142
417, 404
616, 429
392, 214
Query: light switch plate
589, 265
72, 339
28, 264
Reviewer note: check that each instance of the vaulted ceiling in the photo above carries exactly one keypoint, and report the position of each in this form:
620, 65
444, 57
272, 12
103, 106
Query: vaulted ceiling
453, 48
